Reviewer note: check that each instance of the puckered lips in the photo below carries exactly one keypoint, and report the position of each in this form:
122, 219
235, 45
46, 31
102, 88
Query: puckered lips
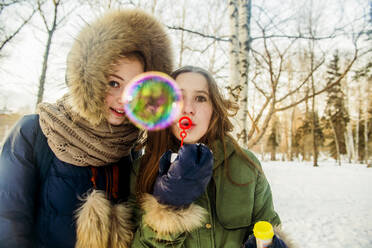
186, 123
119, 112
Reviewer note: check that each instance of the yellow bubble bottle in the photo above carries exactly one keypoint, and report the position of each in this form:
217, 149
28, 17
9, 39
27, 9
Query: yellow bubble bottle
264, 233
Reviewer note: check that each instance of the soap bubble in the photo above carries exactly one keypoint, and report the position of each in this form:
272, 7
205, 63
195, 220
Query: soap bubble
152, 100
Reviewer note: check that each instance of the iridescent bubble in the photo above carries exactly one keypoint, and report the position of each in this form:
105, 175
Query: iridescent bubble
152, 100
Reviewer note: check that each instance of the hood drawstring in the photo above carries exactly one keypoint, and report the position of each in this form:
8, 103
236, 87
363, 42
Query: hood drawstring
94, 177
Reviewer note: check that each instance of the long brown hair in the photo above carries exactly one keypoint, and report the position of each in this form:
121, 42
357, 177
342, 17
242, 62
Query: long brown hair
220, 126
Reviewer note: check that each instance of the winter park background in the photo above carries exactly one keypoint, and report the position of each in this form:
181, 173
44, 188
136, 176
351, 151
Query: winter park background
300, 71
329, 206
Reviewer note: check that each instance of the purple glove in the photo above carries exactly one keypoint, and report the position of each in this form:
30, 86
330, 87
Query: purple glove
183, 181
277, 242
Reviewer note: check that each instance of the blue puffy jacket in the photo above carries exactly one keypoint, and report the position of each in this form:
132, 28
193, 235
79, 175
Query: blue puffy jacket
37, 208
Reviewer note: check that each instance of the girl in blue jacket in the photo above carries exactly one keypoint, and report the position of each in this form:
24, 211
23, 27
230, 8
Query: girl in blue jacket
64, 172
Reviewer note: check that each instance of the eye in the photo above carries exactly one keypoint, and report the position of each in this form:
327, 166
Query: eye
201, 99
114, 84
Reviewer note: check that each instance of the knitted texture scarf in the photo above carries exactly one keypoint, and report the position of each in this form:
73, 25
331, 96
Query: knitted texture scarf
74, 140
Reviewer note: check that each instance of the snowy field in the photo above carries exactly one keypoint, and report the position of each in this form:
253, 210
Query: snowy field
328, 206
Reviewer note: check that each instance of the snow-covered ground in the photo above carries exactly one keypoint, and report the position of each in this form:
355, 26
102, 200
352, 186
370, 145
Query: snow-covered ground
329, 206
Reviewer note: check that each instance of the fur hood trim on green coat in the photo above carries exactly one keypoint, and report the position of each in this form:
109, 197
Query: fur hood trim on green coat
100, 44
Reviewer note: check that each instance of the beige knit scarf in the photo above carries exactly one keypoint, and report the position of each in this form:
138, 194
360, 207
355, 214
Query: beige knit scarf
74, 140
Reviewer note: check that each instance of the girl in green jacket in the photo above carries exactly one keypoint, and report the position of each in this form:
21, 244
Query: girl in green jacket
202, 198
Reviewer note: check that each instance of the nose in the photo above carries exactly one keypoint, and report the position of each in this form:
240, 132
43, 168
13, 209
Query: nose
119, 96
188, 107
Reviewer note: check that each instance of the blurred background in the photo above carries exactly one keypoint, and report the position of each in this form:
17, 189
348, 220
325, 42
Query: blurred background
300, 70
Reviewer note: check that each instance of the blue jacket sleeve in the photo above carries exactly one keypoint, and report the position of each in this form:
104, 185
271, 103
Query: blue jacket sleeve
18, 184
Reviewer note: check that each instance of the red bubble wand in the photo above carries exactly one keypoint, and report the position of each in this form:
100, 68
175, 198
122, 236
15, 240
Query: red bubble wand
184, 123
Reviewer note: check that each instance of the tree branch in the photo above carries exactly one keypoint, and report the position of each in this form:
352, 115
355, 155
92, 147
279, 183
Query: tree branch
258, 117
42, 16
198, 33
17, 31
265, 125
303, 82
325, 88
259, 89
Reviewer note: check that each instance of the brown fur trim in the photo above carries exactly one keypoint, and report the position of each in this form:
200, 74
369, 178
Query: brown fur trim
93, 221
285, 237
100, 44
121, 226
165, 220
101, 224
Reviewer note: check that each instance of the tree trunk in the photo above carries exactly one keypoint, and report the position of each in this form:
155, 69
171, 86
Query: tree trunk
234, 88
245, 7
313, 133
366, 139
338, 159
240, 14
305, 154
365, 111
234, 51
347, 144
354, 153
47, 50
291, 133
313, 125
357, 138
348, 135
285, 153
44, 70
273, 153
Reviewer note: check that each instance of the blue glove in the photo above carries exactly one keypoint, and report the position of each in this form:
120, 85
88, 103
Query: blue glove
183, 181
277, 242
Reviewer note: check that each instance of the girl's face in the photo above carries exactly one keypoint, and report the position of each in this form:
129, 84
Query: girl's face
197, 106
123, 72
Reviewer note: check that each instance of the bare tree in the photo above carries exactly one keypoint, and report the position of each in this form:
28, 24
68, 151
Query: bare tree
352, 150
8, 37
199, 44
182, 38
275, 102
271, 57
366, 106
234, 90
245, 9
312, 31
240, 36
101, 6
273, 140
50, 26
363, 77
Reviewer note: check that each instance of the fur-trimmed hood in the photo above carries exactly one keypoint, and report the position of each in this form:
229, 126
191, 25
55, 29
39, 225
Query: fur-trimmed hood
100, 44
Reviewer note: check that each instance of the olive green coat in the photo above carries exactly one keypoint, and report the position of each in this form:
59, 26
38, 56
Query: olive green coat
232, 209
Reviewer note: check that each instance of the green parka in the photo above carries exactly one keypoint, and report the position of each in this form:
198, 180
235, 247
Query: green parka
231, 210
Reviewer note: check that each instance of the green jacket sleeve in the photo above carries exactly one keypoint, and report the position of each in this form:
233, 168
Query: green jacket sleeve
264, 208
